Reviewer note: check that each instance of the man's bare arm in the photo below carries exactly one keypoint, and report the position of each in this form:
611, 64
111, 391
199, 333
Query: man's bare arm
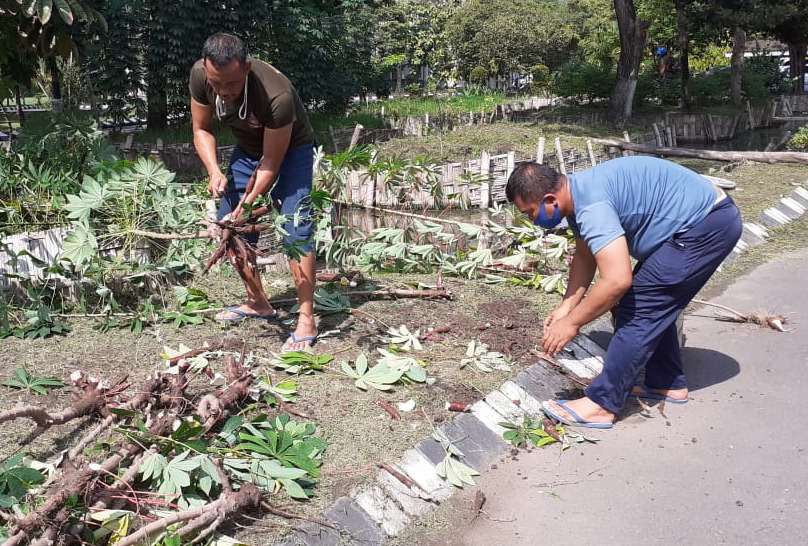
582, 271
614, 265
205, 144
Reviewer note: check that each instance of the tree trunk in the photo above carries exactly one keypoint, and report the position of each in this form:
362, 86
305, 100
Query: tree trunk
56, 86
157, 107
632, 44
683, 41
796, 55
20, 111
738, 49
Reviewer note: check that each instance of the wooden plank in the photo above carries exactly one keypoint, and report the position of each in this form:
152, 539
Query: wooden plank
560, 154
592, 160
485, 186
540, 151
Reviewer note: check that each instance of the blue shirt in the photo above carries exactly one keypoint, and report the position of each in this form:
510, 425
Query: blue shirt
644, 198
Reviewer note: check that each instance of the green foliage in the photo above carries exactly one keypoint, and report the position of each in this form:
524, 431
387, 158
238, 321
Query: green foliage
16, 478
507, 35
768, 70
665, 91
283, 452
40, 385
38, 320
301, 362
380, 377
531, 429
580, 80
190, 301
799, 142
322, 47
713, 87
541, 78
478, 75
47, 162
392, 368
709, 56
271, 453
412, 32
124, 196
114, 60
451, 467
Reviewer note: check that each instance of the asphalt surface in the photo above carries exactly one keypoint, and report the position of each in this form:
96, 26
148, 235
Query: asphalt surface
729, 467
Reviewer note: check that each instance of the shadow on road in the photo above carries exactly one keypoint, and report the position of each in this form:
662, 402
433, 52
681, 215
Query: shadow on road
705, 368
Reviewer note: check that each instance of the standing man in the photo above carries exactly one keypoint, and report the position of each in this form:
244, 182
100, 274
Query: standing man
679, 227
273, 142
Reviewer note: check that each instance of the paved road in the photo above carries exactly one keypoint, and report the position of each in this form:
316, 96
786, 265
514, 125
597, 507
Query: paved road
729, 467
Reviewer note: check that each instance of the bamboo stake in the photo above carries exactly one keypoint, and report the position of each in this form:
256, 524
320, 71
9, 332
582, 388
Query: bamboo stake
560, 155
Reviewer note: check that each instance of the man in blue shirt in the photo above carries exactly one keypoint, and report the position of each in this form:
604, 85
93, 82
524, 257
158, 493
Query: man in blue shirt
679, 227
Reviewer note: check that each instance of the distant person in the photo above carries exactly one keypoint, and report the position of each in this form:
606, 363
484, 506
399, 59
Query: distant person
274, 140
662, 59
679, 227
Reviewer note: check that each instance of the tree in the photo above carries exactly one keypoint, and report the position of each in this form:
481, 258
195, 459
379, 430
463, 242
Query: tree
112, 58
793, 30
632, 45
323, 47
506, 35
17, 66
413, 33
46, 35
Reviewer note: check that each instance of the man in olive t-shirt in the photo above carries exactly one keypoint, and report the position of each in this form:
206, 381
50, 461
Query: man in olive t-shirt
273, 142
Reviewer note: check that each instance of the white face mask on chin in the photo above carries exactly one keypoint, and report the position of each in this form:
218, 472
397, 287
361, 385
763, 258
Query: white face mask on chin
221, 106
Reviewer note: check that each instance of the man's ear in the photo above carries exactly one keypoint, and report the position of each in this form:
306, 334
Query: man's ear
551, 199
247, 65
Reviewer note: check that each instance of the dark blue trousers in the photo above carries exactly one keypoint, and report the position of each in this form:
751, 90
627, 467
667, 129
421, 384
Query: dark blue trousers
292, 190
664, 283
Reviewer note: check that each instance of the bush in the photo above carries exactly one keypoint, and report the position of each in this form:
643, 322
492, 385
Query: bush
540, 77
799, 142
579, 80
478, 75
414, 90
711, 88
665, 91
768, 69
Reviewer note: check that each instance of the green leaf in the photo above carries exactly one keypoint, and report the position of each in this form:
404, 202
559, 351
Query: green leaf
293, 489
80, 246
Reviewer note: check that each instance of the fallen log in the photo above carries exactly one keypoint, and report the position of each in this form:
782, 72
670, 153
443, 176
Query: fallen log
760, 157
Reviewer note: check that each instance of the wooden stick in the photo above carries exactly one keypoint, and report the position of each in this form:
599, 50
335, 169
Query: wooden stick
761, 157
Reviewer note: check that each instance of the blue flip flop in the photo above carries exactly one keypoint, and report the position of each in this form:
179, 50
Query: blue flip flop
296, 339
579, 421
651, 395
243, 315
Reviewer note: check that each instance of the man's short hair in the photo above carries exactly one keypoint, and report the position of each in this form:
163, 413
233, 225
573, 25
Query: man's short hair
532, 181
222, 48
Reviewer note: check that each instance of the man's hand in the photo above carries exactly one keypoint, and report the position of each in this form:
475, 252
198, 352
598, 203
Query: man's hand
217, 184
560, 312
557, 335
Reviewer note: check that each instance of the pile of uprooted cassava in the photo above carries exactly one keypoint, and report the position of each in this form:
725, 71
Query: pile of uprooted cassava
162, 462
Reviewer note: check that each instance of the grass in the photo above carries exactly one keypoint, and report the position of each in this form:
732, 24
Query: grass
467, 142
461, 103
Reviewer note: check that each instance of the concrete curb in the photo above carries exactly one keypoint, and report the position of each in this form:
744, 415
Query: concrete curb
372, 513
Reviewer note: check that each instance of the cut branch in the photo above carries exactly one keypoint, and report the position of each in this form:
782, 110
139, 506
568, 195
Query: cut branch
170, 236
760, 157
228, 505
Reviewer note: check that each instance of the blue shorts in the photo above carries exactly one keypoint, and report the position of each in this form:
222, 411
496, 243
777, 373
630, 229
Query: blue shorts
292, 190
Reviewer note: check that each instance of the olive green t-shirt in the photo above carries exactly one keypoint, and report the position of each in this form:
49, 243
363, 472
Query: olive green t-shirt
272, 101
